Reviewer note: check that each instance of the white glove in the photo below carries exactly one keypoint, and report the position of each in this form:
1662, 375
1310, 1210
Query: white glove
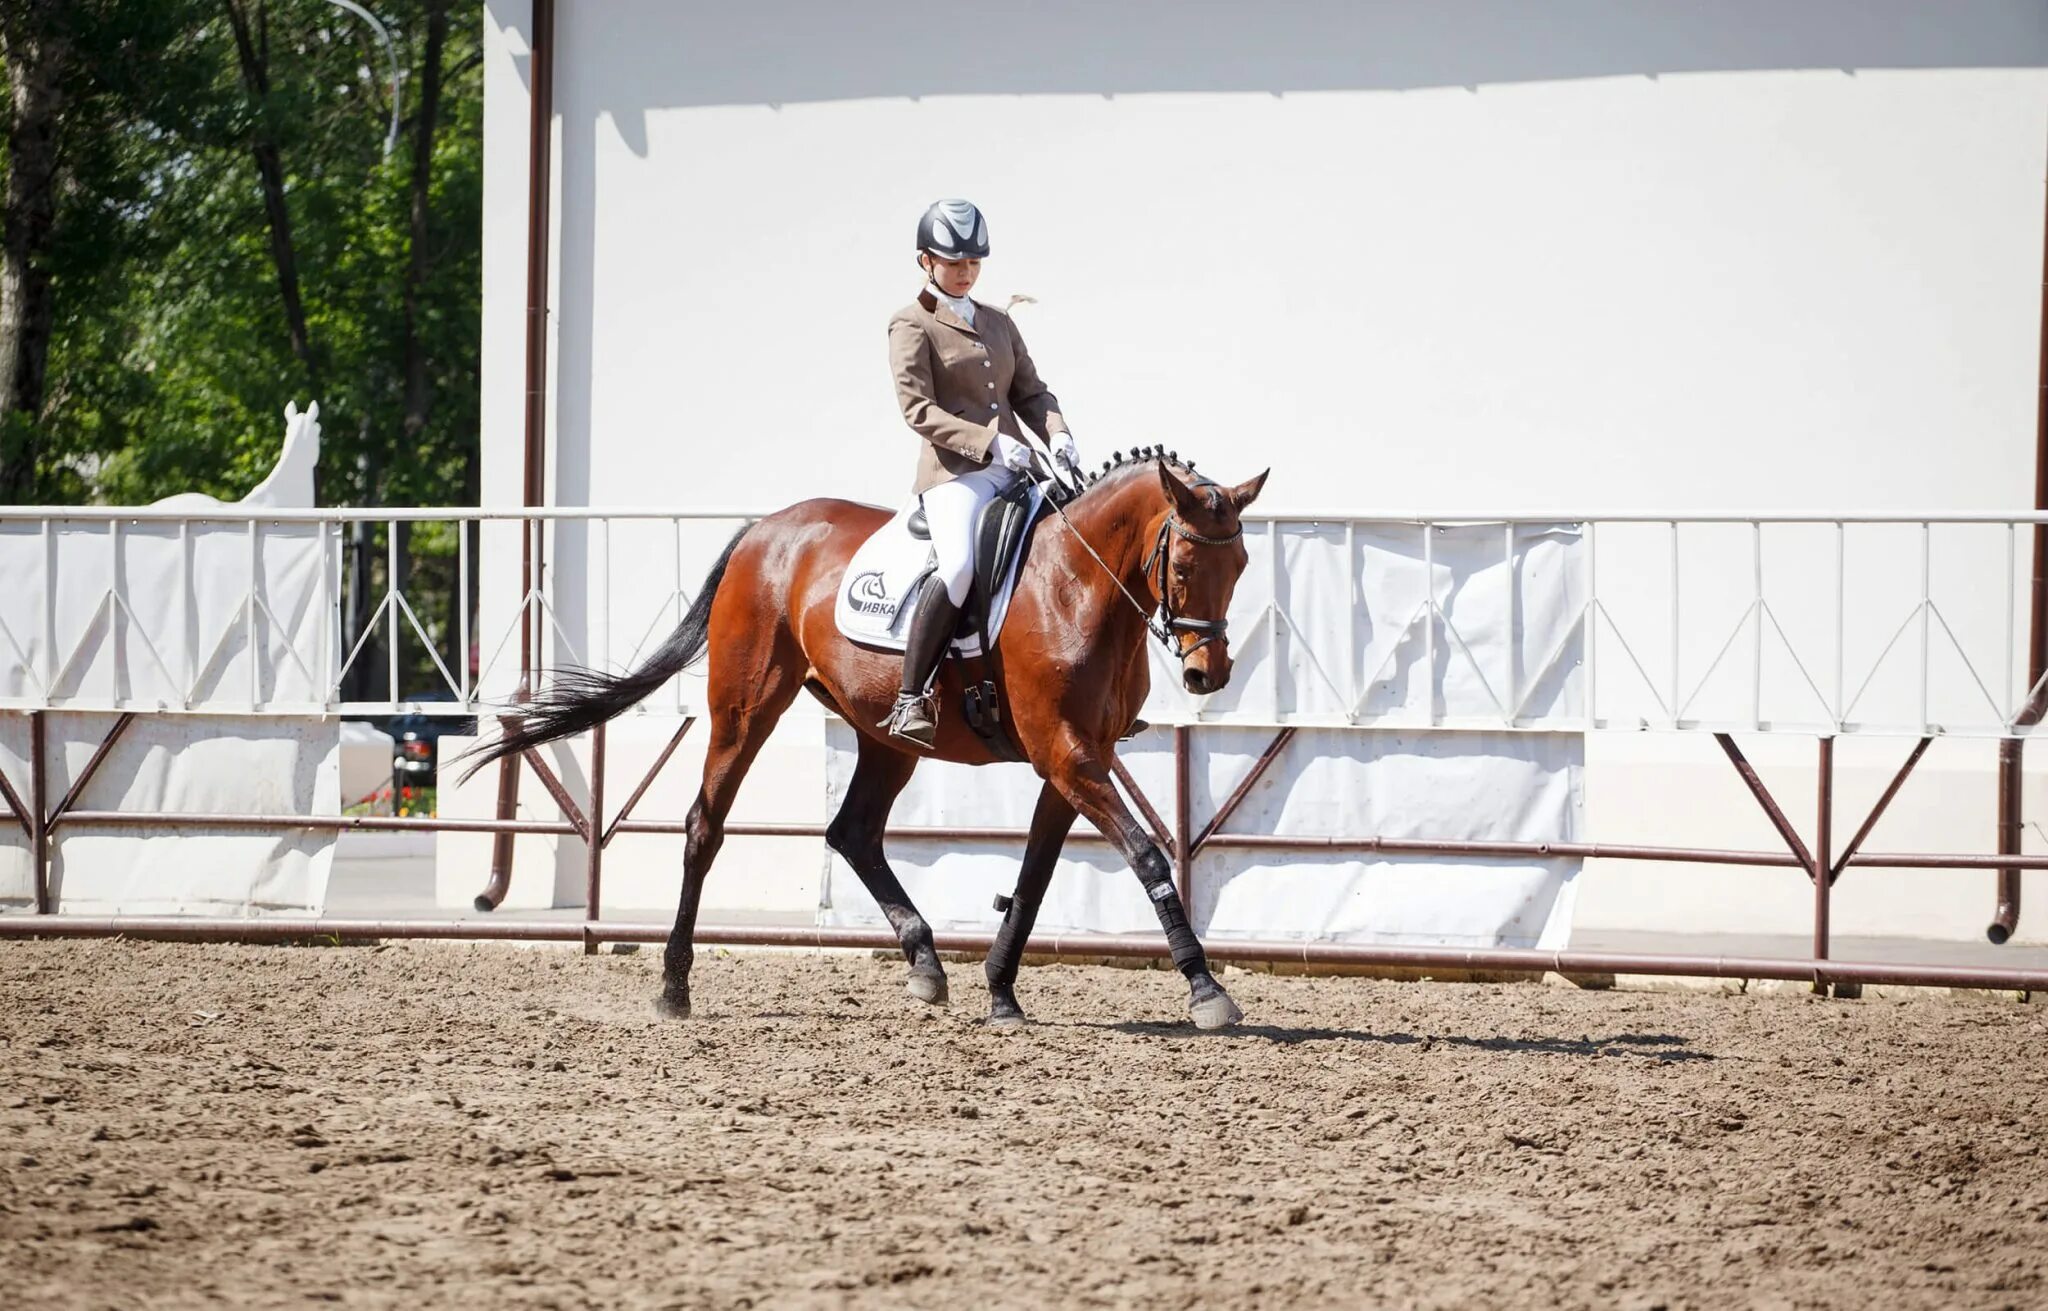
1063, 447
1009, 452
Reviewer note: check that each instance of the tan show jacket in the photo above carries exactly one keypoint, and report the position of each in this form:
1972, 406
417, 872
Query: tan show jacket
951, 380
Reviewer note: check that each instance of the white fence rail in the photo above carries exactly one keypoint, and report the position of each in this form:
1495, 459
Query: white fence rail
1813, 623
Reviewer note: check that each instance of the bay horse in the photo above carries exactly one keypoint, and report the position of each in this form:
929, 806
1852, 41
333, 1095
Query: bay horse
1145, 534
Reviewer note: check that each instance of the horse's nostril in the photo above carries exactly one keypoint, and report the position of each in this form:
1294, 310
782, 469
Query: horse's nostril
1197, 681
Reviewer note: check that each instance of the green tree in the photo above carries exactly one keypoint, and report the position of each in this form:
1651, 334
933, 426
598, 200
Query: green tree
202, 221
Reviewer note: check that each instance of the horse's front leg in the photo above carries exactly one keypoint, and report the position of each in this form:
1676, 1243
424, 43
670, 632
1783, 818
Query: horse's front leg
1083, 779
1049, 826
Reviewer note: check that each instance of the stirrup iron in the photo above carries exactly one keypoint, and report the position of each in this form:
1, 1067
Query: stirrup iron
914, 718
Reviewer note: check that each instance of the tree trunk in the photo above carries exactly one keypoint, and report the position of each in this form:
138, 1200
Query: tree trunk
253, 50
418, 398
36, 52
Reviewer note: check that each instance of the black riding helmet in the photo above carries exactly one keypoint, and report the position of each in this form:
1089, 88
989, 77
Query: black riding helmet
953, 229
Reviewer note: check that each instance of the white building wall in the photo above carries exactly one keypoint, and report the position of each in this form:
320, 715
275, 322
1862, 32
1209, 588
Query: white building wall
1429, 256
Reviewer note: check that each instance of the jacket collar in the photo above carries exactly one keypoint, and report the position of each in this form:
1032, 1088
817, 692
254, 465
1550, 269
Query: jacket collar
939, 310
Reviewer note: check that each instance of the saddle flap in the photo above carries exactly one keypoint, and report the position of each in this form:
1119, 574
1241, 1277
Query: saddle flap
871, 606
998, 542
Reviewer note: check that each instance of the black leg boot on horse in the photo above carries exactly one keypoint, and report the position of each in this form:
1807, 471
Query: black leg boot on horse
915, 716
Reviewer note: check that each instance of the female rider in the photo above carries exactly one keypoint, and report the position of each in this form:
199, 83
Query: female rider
964, 381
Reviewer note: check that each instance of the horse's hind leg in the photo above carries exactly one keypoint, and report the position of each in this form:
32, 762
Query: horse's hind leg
749, 690
1050, 824
879, 777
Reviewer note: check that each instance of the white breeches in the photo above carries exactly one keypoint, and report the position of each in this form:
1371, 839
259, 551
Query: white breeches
949, 513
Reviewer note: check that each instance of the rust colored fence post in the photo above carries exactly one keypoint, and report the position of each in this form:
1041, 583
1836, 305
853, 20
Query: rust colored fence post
1772, 811
2005, 914
1877, 811
647, 779
38, 813
1823, 856
500, 880
1183, 842
540, 159
593, 841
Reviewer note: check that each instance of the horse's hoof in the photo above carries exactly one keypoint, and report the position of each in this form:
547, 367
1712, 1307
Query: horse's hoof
1009, 1022
1217, 1012
669, 1008
929, 988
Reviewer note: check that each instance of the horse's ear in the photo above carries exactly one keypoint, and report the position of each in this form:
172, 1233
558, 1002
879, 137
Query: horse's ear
1246, 492
1184, 500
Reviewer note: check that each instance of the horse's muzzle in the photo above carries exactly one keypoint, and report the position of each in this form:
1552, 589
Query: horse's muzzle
1200, 682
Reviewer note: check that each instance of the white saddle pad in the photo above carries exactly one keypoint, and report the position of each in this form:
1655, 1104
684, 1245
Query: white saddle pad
872, 608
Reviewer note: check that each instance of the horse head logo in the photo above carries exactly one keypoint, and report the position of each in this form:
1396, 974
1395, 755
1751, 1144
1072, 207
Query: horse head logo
871, 595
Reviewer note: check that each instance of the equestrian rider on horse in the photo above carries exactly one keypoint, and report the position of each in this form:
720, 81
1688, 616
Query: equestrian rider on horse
964, 381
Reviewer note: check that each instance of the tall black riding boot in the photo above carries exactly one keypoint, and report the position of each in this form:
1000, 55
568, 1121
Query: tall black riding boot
915, 716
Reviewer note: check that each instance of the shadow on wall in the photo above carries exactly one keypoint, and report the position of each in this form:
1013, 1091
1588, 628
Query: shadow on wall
777, 52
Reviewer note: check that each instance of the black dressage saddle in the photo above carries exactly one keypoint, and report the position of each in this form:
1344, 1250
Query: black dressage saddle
1002, 532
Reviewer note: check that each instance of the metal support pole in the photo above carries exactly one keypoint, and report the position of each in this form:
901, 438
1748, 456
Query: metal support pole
1244, 787
2005, 914
1877, 811
1823, 838
99, 757
540, 157
652, 773
1160, 833
1085, 945
1183, 845
593, 841
16, 810
548, 779
500, 880
1764, 798
38, 813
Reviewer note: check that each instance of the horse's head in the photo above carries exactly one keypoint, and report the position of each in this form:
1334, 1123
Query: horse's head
1196, 559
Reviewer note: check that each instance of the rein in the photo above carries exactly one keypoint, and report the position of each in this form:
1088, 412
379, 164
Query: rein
1208, 630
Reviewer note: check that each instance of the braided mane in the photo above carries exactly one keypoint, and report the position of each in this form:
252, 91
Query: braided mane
1127, 461
1123, 461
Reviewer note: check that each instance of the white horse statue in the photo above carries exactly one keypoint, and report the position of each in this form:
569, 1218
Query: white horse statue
290, 484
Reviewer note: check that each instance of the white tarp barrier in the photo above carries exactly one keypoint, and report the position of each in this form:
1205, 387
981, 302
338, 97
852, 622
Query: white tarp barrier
1498, 625
201, 764
158, 615
1328, 782
1364, 662
224, 618
226, 615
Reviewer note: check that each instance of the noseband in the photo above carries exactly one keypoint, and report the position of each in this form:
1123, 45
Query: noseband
1205, 630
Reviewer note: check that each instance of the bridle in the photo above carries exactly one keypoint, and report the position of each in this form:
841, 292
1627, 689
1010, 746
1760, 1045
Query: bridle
1207, 630
1170, 627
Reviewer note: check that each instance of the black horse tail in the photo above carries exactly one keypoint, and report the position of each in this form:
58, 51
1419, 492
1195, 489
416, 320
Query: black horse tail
580, 699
